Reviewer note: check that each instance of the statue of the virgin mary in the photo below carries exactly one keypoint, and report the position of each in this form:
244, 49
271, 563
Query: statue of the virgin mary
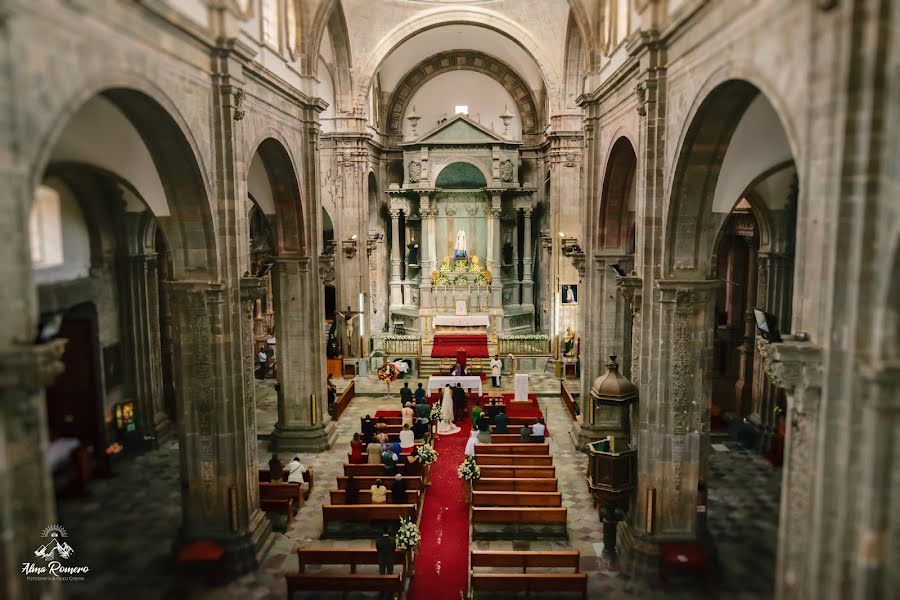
460, 248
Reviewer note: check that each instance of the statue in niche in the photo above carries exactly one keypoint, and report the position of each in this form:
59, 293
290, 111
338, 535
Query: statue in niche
507, 252
415, 171
460, 248
569, 342
333, 349
506, 170
412, 257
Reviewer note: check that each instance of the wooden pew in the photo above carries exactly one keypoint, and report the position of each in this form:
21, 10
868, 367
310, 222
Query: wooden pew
344, 582
364, 483
506, 448
551, 499
515, 485
521, 515
367, 470
309, 477
510, 438
283, 506
512, 421
365, 497
343, 556
281, 491
531, 582
518, 460
366, 513
523, 559
493, 471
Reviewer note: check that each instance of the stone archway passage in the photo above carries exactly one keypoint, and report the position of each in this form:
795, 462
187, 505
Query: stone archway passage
458, 60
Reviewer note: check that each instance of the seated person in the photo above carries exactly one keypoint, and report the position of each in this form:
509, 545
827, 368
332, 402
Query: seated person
476, 414
420, 428
379, 492
373, 451
296, 470
398, 490
538, 430
484, 432
525, 434
368, 429
423, 411
356, 450
395, 446
351, 496
501, 421
389, 459
276, 471
407, 438
407, 415
380, 425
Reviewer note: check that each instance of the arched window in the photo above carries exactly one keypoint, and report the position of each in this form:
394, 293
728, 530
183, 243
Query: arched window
45, 229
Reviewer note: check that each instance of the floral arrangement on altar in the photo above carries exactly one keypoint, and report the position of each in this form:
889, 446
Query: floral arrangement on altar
469, 470
427, 454
408, 535
436, 411
526, 337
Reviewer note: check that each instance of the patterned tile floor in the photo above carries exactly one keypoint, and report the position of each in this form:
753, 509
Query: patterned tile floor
125, 530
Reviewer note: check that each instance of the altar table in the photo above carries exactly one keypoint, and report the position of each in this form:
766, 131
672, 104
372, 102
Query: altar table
520, 386
437, 382
461, 321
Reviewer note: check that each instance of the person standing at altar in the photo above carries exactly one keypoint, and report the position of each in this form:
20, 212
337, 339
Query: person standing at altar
459, 401
496, 368
501, 421
446, 426
420, 394
458, 370
405, 395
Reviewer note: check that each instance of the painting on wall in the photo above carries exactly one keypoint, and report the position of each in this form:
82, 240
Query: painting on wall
112, 366
569, 294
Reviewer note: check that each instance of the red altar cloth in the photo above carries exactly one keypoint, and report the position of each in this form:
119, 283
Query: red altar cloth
447, 345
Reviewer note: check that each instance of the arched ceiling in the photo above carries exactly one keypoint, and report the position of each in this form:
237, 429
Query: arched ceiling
454, 37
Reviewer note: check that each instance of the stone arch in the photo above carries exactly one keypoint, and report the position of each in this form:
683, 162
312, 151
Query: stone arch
457, 160
289, 222
190, 228
451, 15
330, 17
574, 61
462, 60
691, 227
580, 21
615, 226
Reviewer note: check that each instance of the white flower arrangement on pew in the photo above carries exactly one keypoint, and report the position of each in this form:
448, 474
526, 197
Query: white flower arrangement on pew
408, 535
427, 454
436, 411
469, 470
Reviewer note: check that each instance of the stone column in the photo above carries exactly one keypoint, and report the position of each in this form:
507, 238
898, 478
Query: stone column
495, 250
517, 288
527, 260
26, 488
796, 367
217, 437
303, 422
144, 339
879, 494
426, 243
743, 387
396, 284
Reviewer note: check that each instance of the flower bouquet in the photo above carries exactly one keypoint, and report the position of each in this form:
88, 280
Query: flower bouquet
427, 454
408, 535
469, 470
388, 373
436, 411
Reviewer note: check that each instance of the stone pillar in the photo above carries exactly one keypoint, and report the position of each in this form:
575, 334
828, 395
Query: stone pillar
517, 288
495, 250
879, 494
396, 284
26, 488
796, 367
144, 338
217, 435
527, 260
303, 422
743, 387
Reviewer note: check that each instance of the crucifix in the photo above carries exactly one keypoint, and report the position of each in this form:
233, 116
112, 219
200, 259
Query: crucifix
347, 316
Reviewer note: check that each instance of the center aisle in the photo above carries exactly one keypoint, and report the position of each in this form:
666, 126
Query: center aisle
443, 558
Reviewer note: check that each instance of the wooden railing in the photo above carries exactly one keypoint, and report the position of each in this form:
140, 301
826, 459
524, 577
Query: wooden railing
523, 347
568, 400
344, 399
398, 345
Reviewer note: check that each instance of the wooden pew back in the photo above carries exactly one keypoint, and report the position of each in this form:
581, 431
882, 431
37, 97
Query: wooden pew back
281, 491
503, 448
343, 556
557, 559
363, 513
515, 472
515, 485
365, 497
520, 460
551, 499
531, 582
364, 483
491, 514
344, 582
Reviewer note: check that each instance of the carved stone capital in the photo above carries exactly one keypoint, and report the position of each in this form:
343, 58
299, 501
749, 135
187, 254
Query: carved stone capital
790, 364
326, 268
252, 288
640, 91
631, 288
32, 367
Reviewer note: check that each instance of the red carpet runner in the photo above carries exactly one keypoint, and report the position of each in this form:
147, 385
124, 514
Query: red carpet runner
443, 557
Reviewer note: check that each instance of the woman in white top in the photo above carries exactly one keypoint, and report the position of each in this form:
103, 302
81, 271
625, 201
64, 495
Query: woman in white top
295, 471
407, 437
446, 426
470, 443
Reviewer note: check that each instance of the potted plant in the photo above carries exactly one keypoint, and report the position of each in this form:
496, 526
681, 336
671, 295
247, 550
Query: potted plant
470, 472
407, 538
427, 456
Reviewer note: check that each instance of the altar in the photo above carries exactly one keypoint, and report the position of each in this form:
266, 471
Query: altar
469, 267
437, 382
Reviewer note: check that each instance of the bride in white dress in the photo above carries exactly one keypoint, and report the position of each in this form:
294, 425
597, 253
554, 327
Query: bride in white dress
446, 426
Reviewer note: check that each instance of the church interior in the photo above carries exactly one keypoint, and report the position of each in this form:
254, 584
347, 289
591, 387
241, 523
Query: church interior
450, 299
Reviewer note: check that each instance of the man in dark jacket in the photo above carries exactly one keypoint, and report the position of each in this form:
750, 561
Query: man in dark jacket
384, 548
420, 395
405, 395
501, 421
398, 491
459, 401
